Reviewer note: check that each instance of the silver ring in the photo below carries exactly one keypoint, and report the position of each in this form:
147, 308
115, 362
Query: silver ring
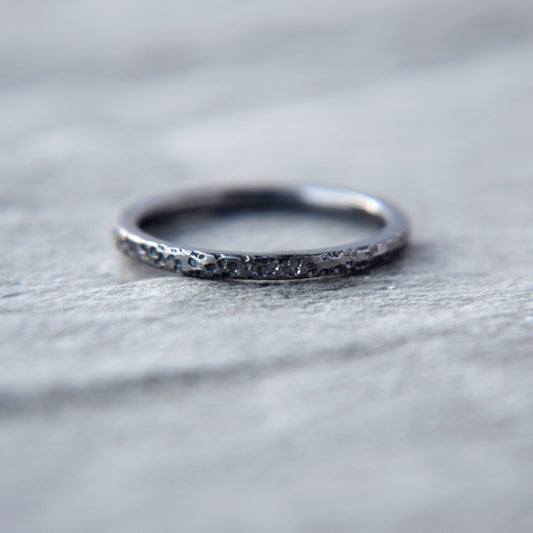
132, 239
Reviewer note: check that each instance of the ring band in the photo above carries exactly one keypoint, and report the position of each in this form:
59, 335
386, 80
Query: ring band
132, 239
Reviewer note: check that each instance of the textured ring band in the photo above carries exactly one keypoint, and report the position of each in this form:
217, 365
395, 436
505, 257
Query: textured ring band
132, 238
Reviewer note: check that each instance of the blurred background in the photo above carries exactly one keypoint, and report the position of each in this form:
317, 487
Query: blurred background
106, 101
134, 401
333, 91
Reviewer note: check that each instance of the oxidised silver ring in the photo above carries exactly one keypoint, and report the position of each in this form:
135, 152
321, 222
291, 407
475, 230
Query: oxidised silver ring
132, 238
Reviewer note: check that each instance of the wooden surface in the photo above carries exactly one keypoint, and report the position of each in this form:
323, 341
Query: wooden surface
135, 401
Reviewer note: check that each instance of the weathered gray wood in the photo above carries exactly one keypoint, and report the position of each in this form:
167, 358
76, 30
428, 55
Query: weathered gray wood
135, 401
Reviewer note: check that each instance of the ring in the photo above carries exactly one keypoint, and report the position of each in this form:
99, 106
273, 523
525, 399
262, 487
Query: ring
132, 236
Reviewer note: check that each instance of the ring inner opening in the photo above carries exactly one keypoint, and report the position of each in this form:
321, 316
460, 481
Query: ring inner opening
261, 228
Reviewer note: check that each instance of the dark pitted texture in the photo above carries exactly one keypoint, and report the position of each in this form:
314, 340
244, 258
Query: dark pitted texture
259, 267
